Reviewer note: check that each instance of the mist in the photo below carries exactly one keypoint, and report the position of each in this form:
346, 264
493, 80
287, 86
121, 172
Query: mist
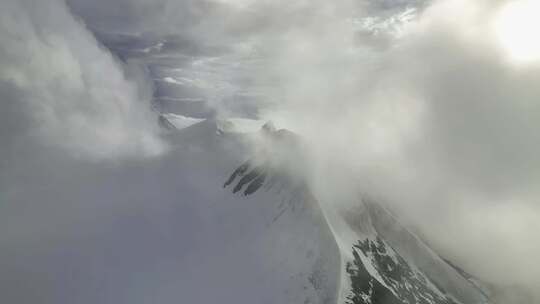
63, 90
419, 104
431, 116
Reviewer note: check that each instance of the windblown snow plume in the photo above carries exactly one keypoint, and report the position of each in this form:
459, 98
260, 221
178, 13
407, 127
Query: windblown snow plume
426, 110
60, 88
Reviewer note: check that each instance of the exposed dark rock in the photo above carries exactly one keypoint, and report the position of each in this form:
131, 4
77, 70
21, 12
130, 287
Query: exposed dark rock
405, 284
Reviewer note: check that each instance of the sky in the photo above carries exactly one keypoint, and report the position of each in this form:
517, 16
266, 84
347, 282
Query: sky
430, 106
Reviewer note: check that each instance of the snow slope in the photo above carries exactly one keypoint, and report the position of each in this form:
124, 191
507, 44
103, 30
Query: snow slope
221, 218
284, 232
379, 260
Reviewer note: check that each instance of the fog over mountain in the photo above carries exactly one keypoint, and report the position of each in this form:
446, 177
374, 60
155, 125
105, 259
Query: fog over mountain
403, 151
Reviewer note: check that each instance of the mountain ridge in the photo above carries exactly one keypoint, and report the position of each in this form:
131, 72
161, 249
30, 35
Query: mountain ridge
399, 280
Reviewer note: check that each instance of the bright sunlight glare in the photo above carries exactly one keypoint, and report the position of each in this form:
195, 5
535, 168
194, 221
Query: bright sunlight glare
517, 26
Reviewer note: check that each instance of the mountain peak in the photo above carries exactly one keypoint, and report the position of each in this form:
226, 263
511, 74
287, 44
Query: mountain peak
269, 127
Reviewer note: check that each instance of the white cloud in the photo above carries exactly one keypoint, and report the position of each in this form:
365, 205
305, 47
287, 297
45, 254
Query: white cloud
436, 120
66, 90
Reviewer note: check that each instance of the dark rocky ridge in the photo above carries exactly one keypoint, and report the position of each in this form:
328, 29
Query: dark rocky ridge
410, 285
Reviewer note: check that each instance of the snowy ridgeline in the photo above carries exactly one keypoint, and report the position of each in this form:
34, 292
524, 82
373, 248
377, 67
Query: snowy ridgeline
319, 255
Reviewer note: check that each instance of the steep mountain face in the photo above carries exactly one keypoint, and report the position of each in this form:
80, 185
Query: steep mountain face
379, 273
291, 255
443, 274
380, 262
164, 230
315, 263
402, 282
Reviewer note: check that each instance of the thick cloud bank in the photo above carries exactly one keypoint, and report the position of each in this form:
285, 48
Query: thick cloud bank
431, 106
436, 117
61, 89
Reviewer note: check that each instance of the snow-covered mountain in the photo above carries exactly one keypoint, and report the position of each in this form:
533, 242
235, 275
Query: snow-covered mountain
319, 254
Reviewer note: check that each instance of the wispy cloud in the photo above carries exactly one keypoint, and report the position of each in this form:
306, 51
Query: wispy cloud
60, 88
416, 102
